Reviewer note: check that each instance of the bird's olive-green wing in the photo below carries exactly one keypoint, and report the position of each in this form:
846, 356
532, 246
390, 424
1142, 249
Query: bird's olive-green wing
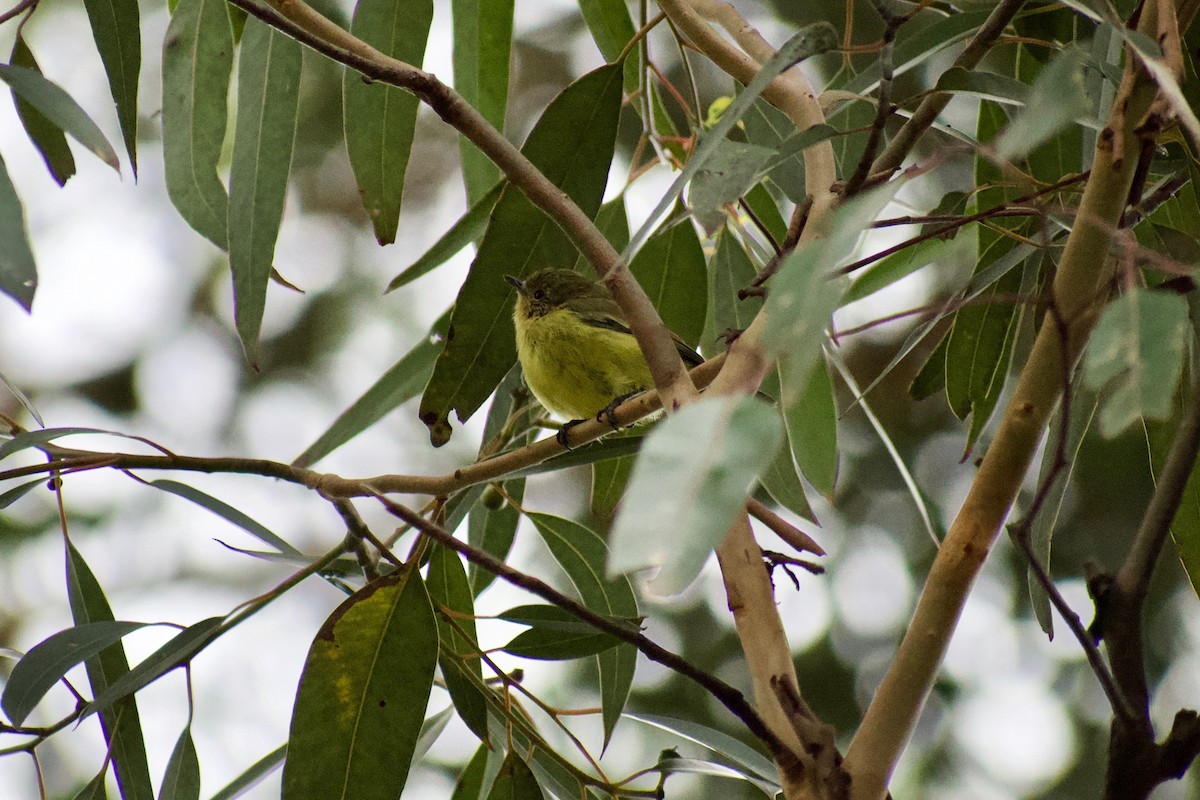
605, 313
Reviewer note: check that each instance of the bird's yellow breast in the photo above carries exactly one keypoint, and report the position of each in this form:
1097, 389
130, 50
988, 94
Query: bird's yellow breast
576, 369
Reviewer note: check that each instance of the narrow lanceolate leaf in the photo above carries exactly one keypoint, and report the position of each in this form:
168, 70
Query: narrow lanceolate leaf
482, 47
582, 555
49, 660
572, 144
1135, 356
117, 29
1083, 408
227, 512
380, 119
806, 290
493, 523
58, 107
733, 168
515, 781
363, 693
181, 781
689, 485
1059, 96
459, 646
96, 788
175, 652
268, 96
47, 137
672, 270
253, 775
812, 425
121, 722
469, 227
197, 59
402, 382
18, 274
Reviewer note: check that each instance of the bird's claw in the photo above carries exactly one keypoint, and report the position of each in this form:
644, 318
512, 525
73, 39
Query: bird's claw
563, 436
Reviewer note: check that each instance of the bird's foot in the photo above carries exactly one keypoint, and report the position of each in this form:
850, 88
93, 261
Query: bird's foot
609, 412
564, 433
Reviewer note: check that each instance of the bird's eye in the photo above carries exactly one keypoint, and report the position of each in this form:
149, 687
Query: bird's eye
539, 294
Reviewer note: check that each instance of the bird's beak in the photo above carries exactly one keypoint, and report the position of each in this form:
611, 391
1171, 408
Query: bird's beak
517, 282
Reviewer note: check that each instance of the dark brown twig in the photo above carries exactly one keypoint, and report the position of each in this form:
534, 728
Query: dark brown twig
728, 696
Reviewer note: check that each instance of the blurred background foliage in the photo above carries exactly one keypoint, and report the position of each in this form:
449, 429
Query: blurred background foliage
132, 331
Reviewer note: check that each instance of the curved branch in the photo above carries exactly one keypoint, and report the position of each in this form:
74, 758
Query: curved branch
300, 21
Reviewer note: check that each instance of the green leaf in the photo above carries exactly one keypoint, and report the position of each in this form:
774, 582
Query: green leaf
58, 107
984, 84
554, 635
47, 137
37, 438
613, 222
481, 53
769, 127
363, 694
590, 453
782, 482
494, 530
17, 492
121, 723
380, 119
1185, 530
18, 274
730, 270
691, 480
48, 661
1041, 535
448, 587
402, 382
979, 348
810, 40
469, 785
182, 778
515, 781
197, 60
609, 478
745, 757
96, 788
916, 45
672, 270
467, 229
612, 29
582, 555
178, 650
766, 212
268, 98
610, 25
730, 172
253, 775
886, 271
227, 512
117, 29
812, 424
932, 377
711, 769
480, 344
1135, 356
1059, 96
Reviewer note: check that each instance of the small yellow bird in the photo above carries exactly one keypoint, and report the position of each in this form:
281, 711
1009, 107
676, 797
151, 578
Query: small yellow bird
575, 348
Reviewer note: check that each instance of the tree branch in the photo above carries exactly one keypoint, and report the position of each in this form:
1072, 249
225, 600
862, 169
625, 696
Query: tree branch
300, 21
1078, 294
906, 138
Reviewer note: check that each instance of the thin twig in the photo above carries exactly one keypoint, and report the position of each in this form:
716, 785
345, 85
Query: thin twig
944, 229
728, 696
